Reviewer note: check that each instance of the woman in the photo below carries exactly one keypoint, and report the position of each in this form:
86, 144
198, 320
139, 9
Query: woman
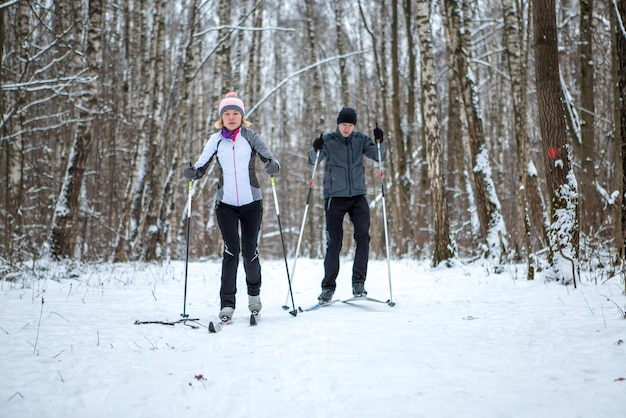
238, 200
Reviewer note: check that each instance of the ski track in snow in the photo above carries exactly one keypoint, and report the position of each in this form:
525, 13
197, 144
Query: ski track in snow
460, 342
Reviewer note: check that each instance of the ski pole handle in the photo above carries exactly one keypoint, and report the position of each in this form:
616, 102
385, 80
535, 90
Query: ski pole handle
274, 193
190, 188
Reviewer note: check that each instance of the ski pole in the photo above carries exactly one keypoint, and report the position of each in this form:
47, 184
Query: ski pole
306, 210
390, 302
294, 312
184, 314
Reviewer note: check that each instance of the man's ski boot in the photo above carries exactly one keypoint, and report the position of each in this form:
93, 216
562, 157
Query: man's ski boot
358, 290
326, 296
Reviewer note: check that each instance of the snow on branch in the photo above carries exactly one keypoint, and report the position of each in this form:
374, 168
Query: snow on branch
571, 110
8, 4
618, 19
245, 28
300, 71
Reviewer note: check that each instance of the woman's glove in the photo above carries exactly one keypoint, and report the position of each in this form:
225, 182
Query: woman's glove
272, 167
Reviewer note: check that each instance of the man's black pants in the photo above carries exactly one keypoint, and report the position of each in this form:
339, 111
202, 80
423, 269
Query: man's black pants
358, 210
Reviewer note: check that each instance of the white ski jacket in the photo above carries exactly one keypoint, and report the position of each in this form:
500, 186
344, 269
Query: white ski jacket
238, 184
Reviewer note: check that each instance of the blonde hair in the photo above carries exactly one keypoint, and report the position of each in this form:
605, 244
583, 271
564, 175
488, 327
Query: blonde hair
220, 123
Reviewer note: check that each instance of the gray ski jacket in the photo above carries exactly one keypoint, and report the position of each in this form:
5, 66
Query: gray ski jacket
344, 172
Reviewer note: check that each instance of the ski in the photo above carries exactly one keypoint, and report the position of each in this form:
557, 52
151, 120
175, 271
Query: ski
320, 305
218, 325
368, 299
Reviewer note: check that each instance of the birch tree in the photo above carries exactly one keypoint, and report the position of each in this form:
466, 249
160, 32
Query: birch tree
13, 155
137, 119
316, 124
185, 125
443, 248
516, 59
137, 55
65, 220
492, 229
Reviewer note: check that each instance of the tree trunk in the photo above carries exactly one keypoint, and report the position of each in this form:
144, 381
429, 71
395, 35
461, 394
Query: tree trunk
65, 219
253, 85
589, 202
152, 239
376, 29
619, 71
341, 50
492, 229
317, 124
454, 140
224, 69
399, 141
517, 59
442, 243
136, 53
561, 183
184, 125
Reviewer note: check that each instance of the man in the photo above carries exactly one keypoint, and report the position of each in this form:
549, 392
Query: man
344, 192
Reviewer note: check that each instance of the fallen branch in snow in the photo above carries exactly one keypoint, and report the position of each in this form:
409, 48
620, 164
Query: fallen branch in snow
183, 321
621, 311
14, 395
55, 313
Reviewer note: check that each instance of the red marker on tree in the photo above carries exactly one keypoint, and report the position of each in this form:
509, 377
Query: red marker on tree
553, 153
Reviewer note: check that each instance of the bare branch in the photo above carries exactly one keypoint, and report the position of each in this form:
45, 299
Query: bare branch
303, 70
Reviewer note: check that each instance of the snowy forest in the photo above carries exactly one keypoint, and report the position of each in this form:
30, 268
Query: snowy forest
505, 124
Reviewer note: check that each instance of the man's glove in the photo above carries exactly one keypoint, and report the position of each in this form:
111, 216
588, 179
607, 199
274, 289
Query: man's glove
378, 134
193, 173
318, 143
272, 167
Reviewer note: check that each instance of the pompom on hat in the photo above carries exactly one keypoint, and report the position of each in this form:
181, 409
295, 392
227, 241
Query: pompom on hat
347, 115
232, 102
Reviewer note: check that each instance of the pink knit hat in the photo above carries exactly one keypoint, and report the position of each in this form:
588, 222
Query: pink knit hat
231, 102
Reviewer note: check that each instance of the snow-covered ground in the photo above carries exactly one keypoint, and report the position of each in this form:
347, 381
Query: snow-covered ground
460, 342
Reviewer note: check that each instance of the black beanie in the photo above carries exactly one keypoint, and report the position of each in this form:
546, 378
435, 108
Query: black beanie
347, 115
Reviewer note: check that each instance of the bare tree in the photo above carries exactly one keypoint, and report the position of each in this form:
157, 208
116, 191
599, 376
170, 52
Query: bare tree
341, 50
224, 79
443, 248
65, 221
400, 141
133, 122
619, 75
589, 203
517, 65
136, 53
552, 121
492, 229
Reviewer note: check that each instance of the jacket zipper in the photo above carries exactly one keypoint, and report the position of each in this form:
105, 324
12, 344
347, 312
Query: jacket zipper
235, 173
349, 153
